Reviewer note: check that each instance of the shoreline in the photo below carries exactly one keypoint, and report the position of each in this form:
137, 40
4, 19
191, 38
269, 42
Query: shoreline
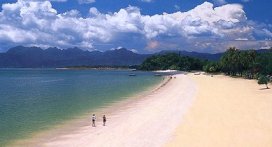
143, 112
74, 124
215, 110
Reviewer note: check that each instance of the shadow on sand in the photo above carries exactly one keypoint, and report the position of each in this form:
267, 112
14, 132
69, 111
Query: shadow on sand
264, 88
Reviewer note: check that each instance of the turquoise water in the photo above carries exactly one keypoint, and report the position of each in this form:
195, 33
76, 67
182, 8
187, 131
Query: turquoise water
35, 99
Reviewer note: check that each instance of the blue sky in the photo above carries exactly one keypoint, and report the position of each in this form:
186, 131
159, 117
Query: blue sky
140, 25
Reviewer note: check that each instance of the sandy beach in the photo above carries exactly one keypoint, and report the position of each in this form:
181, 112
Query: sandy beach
191, 110
146, 121
228, 112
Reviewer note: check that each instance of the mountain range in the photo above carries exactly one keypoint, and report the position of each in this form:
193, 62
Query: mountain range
35, 57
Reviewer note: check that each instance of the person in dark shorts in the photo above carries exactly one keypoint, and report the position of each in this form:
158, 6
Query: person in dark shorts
104, 120
93, 120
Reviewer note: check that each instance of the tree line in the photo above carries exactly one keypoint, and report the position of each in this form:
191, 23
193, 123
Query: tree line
234, 62
172, 61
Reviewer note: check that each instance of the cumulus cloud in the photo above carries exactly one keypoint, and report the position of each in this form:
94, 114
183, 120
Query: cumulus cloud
202, 20
36, 22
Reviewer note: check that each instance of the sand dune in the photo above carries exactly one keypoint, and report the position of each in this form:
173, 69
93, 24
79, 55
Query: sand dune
228, 112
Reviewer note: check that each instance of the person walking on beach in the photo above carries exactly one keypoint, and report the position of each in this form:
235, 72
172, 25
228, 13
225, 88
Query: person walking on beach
93, 120
104, 120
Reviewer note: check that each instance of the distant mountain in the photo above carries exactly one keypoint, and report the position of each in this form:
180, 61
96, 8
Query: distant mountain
35, 57
205, 56
262, 51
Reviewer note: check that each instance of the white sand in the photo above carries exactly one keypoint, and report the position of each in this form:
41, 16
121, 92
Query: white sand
166, 71
227, 112
146, 122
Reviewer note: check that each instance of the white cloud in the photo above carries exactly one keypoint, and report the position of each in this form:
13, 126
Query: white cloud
38, 23
86, 1
93, 11
204, 19
266, 47
267, 32
241, 39
47, 0
134, 50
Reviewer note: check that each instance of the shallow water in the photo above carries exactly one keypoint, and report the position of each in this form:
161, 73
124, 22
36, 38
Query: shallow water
32, 100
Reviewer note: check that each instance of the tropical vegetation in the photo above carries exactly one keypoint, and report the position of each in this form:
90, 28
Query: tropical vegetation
234, 62
172, 61
263, 80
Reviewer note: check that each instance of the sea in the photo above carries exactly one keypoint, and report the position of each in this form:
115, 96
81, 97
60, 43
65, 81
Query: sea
33, 100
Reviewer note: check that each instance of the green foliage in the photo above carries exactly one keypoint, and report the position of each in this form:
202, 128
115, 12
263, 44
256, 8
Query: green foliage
172, 61
211, 67
263, 64
228, 61
248, 64
263, 80
235, 62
